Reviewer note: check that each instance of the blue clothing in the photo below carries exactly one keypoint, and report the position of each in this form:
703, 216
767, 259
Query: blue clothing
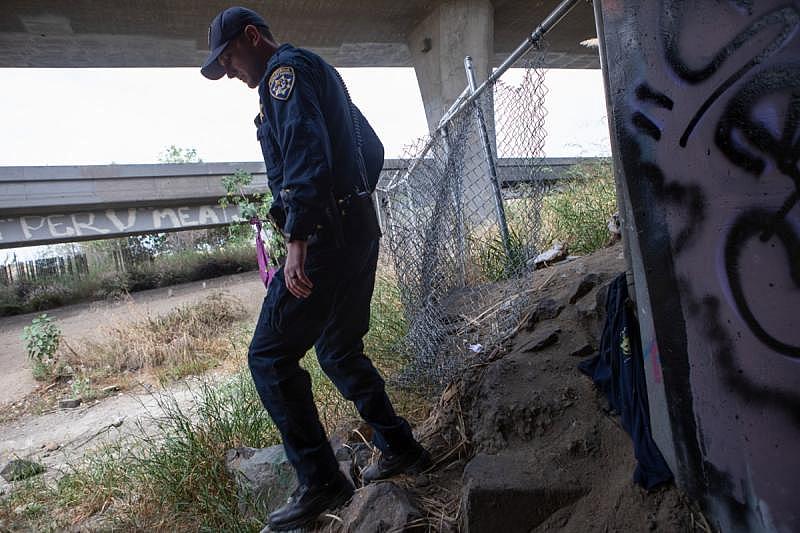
333, 320
618, 371
308, 140
310, 150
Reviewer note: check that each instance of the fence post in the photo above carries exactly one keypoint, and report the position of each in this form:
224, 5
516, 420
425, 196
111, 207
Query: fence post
489, 156
457, 194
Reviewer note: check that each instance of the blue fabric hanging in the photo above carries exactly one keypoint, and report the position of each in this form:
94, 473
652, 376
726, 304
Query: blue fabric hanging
618, 371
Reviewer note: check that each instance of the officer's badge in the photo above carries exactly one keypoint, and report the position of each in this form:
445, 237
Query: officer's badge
281, 83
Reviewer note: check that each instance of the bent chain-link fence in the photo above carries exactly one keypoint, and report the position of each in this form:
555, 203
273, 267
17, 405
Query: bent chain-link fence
462, 226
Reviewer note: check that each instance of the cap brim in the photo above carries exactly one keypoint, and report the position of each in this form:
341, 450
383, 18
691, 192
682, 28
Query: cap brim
211, 69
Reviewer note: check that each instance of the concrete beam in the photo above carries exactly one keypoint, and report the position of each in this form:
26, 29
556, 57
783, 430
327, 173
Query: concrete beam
45, 205
438, 45
173, 33
27, 230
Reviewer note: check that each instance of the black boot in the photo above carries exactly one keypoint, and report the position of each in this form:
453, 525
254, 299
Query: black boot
308, 502
412, 461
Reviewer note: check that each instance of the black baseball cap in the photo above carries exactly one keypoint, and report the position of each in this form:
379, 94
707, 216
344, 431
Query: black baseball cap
223, 29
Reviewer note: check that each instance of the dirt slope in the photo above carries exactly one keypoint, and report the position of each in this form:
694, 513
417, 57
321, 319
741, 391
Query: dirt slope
531, 447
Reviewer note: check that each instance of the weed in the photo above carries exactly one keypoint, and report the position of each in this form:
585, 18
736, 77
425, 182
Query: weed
81, 387
495, 260
41, 340
577, 211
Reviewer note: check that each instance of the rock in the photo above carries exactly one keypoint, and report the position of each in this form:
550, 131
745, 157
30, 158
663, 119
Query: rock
51, 446
347, 468
499, 495
585, 350
343, 453
69, 403
380, 507
546, 337
19, 469
587, 308
546, 309
264, 479
586, 285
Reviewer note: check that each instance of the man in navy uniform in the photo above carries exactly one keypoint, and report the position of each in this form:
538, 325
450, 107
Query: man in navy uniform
321, 158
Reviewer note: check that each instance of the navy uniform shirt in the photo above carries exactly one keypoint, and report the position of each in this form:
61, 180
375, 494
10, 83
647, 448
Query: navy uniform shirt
307, 136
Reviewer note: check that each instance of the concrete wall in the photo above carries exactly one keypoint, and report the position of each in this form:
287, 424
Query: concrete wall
704, 101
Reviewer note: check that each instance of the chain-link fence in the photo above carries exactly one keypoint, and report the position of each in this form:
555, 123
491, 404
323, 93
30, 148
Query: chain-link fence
462, 224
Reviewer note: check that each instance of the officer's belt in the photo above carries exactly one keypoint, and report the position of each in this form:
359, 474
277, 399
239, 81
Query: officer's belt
353, 217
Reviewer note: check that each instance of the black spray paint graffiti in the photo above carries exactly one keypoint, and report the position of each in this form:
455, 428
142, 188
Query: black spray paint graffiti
748, 142
786, 19
779, 26
690, 197
715, 77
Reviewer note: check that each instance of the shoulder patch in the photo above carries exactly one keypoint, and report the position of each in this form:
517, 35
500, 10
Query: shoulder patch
281, 83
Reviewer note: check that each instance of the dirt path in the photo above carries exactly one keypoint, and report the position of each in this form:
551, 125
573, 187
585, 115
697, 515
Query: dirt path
88, 320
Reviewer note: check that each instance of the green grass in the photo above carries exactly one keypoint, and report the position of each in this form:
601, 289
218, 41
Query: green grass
169, 475
577, 212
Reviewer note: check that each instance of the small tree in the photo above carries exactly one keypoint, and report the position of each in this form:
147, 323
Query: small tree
173, 154
250, 206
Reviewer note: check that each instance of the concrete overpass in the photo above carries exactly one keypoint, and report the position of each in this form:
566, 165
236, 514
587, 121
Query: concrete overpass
431, 36
46, 205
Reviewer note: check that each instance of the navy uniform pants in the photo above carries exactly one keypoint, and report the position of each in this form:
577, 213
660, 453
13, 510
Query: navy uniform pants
333, 320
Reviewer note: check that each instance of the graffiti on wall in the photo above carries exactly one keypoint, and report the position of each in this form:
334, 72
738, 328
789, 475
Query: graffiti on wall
706, 108
41, 229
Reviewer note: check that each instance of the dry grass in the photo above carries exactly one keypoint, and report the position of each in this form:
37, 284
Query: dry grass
188, 340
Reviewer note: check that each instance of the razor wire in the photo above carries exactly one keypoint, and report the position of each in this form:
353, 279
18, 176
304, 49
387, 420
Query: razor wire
461, 245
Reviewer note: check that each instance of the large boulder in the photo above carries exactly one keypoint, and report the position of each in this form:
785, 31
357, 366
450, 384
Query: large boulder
264, 479
381, 507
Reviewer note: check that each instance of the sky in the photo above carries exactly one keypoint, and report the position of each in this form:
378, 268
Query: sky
103, 116
131, 115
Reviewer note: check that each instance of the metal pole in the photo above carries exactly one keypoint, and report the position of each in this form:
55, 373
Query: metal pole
462, 101
456, 192
489, 156
541, 30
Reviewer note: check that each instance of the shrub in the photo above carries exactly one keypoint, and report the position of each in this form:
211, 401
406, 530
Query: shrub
41, 340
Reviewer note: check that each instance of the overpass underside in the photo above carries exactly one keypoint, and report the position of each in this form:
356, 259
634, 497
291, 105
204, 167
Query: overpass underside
432, 37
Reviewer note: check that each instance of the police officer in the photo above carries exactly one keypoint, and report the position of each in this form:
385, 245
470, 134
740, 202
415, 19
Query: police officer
322, 157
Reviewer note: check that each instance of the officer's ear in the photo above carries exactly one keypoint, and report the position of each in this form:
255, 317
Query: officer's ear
252, 35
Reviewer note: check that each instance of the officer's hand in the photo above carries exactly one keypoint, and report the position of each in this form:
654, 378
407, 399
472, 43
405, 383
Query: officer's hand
294, 272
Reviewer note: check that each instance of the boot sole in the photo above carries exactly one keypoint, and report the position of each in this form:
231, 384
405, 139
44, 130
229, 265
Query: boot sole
341, 499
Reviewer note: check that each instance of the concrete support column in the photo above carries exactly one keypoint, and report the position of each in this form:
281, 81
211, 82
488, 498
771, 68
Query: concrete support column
455, 29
